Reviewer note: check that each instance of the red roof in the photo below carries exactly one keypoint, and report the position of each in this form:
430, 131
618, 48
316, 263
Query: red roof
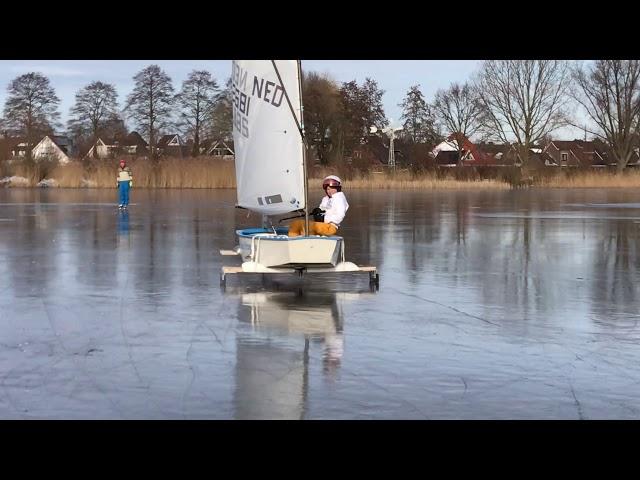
479, 157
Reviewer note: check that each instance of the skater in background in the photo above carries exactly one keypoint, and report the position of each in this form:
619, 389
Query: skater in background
124, 182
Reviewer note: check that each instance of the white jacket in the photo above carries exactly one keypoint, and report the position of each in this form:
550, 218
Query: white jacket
124, 174
336, 208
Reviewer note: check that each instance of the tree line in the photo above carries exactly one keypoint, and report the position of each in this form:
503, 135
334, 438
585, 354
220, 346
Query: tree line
522, 102
199, 109
513, 101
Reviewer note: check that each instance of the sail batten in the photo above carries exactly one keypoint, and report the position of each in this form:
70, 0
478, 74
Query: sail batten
268, 145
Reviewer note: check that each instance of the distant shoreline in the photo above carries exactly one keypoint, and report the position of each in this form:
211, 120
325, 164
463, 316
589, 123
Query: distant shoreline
215, 173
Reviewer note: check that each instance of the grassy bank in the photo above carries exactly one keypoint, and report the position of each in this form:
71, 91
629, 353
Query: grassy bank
210, 172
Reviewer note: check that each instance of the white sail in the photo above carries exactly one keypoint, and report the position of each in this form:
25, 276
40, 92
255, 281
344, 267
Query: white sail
267, 141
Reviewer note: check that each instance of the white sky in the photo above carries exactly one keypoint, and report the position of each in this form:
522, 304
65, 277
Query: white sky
395, 77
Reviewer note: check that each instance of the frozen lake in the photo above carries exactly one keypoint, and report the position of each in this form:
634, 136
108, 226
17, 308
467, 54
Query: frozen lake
492, 305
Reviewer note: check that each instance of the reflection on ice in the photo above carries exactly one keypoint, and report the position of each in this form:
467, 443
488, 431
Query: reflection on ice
123, 222
293, 312
273, 354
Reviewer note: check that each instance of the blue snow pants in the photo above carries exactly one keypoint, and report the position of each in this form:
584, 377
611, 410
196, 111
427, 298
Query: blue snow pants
123, 187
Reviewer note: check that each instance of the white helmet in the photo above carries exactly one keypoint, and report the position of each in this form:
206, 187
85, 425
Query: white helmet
331, 181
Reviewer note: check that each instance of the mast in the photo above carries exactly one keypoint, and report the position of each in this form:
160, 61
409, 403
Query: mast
304, 155
300, 126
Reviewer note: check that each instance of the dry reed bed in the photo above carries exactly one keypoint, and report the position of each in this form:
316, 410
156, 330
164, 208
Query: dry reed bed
184, 173
424, 182
403, 180
208, 172
627, 179
202, 172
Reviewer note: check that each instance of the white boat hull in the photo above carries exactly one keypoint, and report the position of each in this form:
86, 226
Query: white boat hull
276, 250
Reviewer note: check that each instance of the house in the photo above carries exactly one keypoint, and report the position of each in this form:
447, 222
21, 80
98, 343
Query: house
457, 149
577, 153
585, 153
132, 144
581, 153
446, 154
172, 146
508, 155
19, 148
499, 154
217, 148
55, 147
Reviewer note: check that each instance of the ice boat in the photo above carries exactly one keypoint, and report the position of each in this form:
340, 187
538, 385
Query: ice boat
271, 173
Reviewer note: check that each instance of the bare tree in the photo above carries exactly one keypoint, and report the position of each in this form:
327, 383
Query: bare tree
609, 90
458, 110
150, 102
196, 101
31, 107
418, 119
96, 107
523, 99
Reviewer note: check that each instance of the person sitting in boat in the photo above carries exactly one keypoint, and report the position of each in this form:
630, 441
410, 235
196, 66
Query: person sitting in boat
329, 215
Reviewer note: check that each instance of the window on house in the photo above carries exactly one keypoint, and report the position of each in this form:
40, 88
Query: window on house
564, 157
